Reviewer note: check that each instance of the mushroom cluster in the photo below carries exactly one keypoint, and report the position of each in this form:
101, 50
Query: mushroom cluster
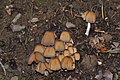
54, 53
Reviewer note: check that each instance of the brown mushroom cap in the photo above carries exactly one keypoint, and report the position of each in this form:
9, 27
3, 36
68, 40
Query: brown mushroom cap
31, 58
41, 67
39, 57
71, 50
73, 57
65, 36
39, 48
61, 56
77, 56
54, 64
48, 38
75, 49
66, 53
59, 45
49, 52
89, 16
67, 63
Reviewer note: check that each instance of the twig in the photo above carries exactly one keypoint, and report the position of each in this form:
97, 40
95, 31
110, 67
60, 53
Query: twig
102, 9
3, 67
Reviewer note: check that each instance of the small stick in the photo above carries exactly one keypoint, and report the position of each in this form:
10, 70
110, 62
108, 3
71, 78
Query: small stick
88, 29
102, 8
3, 67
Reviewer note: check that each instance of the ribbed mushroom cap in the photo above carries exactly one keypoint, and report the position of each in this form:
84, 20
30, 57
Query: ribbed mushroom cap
66, 53
39, 57
73, 57
67, 63
48, 38
77, 56
71, 50
65, 36
89, 16
31, 58
61, 56
41, 67
39, 48
54, 64
49, 52
59, 45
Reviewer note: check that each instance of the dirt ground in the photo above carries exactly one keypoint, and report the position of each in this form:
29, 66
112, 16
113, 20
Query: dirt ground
96, 63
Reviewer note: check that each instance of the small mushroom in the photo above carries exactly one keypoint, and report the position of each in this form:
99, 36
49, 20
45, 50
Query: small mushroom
48, 38
75, 49
59, 45
66, 46
67, 63
69, 44
41, 67
49, 52
77, 56
54, 64
39, 48
71, 50
39, 57
31, 58
65, 36
61, 56
73, 57
66, 53
90, 17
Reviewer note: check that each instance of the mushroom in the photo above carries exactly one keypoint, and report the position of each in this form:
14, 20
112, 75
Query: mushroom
39, 48
41, 68
49, 52
59, 45
73, 57
61, 56
75, 49
71, 50
48, 38
39, 57
31, 58
89, 17
66, 53
69, 43
54, 64
67, 63
65, 36
77, 56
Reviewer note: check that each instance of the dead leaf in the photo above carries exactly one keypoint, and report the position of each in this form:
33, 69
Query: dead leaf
94, 41
107, 37
108, 75
116, 44
99, 75
89, 61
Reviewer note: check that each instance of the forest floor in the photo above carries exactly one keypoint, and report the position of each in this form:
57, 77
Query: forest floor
100, 51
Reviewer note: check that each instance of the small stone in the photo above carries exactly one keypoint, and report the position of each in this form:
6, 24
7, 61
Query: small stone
34, 20
70, 25
6, 66
14, 78
16, 18
17, 28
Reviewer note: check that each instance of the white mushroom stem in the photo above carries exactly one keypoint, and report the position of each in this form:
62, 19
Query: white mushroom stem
88, 29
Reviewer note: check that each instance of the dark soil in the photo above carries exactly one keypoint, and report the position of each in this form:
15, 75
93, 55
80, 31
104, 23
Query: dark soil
15, 47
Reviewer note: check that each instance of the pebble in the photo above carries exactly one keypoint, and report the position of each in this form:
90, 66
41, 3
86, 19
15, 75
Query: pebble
70, 25
17, 27
14, 78
33, 20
